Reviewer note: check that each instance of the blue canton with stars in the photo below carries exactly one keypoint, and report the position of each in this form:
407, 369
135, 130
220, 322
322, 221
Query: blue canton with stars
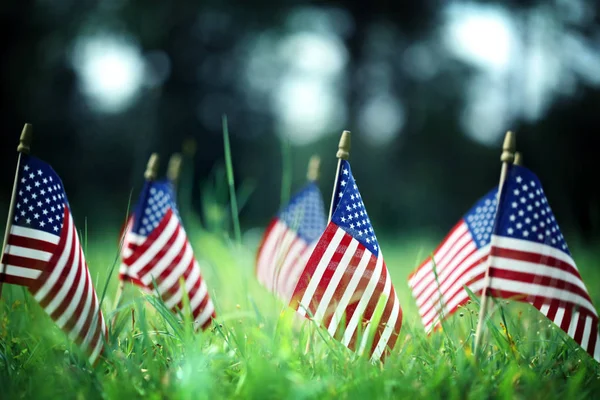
305, 213
40, 199
480, 218
525, 213
156, 199
350, 213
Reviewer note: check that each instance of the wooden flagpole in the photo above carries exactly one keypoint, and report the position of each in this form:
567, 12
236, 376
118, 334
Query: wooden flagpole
174, 168
23, 148
150, 175
343, 153
518, 159
507, 157
314, 165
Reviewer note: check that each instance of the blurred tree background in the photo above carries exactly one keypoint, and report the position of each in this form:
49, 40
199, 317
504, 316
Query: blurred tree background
427, 88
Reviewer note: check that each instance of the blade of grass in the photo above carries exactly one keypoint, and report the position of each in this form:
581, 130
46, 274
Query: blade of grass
229, 165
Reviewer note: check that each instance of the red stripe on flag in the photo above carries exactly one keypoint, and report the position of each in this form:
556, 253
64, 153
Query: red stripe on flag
147, 269
30, 243
424, 263
535, 258
368, 313
358, 293
526, 277
311, 265
24, 262
149, 241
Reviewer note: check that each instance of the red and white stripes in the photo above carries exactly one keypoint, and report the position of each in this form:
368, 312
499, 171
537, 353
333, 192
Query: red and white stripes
457, 262
281, 258
548, 279
344, 281
165, 256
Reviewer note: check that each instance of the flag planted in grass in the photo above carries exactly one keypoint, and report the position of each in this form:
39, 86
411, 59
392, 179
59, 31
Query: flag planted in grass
289, 240
156, 250
530, 261
346, 276
437, 284
44, 254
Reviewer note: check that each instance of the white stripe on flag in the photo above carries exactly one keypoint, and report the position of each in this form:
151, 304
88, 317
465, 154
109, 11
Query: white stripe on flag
28, 273
319, 271
205, 315
266, 256
350, 290
534, 289
560, 313
475, 287
28, 252
364, 301
339, 272
167, 259
89, 294
60, 265
387, 288
34, 234
443, 265
449, 243
159, 244
68, 280
199, 296
587, 330
175, 273
532, 247
387, 332
77, 296
509, 264
574, 323
290, 261
448, 287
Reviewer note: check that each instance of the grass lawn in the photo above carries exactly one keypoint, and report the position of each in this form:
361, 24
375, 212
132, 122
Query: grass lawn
257, 348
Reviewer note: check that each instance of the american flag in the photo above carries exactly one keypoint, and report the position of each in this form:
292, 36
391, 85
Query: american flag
289, 240
156, 248
530, 261
44, 254
346, 276
459, 260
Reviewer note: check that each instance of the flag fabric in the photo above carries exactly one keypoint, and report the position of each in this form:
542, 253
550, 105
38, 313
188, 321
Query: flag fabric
289, 240
156, 249
44, 254
346, 276
531, 262
437, 284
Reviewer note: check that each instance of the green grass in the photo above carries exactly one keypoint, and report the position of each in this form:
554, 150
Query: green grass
256, 348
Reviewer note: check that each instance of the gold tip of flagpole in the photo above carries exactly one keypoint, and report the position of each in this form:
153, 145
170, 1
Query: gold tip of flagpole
174, 167
344, 146
152, 167
313, 168
509, 147
26, 138
518, 159
189, 147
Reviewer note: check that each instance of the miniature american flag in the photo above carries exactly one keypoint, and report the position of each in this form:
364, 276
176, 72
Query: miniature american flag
346, 276
530, 261
44, 254
459, 260
289, 241
156, 248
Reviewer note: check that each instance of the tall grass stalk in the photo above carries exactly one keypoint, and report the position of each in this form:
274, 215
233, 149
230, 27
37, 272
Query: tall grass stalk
230, 181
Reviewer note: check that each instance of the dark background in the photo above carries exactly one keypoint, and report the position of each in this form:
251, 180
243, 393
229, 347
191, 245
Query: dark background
428, 107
